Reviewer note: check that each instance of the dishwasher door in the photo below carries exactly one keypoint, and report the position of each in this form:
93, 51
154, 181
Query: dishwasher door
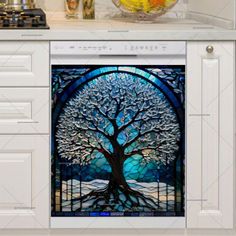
118, 134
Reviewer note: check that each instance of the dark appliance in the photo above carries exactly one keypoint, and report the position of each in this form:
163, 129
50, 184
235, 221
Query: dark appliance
25, 19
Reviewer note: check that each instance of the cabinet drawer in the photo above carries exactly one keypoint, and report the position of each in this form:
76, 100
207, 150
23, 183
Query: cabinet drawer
24, 64
24, 181
24, 111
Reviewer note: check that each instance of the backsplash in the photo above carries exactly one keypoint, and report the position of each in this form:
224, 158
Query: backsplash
101, 5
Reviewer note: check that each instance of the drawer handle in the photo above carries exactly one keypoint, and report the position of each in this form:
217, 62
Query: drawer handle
210, 49
28, 122
200, 115
32, 35
197, 200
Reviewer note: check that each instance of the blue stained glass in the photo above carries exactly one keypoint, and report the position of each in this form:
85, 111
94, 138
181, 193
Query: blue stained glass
118, 141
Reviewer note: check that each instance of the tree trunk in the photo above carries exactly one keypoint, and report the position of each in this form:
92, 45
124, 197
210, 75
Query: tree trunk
117, 178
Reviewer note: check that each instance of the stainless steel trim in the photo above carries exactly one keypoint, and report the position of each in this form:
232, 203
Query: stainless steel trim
19, 4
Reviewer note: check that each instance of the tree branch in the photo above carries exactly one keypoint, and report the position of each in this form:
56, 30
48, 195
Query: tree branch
95, 129
140, 135
133, 120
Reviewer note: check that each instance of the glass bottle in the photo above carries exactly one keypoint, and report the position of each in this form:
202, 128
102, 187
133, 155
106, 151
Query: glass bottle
72, 8
89, 9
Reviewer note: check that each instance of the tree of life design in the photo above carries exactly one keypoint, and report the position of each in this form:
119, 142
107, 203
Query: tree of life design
118, 116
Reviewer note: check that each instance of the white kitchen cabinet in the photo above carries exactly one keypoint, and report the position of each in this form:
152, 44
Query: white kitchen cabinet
24, 110
24, 64
24, 181
24, 135
210, 134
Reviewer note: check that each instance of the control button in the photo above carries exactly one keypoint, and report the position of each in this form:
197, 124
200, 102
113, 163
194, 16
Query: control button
35, 22
6, 22
20, 22
163, 48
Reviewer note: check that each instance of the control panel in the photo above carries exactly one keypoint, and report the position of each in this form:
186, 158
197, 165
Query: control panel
118, 48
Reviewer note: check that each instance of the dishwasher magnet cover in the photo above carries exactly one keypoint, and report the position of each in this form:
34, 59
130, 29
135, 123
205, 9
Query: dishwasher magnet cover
118, 141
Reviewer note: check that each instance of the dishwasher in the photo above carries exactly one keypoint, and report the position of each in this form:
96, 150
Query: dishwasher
118, 134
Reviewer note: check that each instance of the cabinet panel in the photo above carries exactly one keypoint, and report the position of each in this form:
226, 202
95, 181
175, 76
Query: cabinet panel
24, 64
16, 191
15, 110
24, 110
15, 63
24, 181
210, 135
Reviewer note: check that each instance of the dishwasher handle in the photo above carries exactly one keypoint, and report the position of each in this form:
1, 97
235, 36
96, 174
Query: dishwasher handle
116, 56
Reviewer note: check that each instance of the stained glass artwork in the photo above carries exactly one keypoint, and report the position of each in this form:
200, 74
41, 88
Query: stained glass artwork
118, 141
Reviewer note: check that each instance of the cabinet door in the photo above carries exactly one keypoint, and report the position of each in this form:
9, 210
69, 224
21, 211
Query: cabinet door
24, 181
210, 134
24, 64
24, 110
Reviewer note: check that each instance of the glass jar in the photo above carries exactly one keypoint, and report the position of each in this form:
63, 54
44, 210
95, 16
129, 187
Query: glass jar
72, 8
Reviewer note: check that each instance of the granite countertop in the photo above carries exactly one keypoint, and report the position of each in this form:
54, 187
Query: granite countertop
120, 29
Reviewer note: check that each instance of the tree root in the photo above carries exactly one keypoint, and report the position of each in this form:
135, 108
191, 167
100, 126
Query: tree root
118, 199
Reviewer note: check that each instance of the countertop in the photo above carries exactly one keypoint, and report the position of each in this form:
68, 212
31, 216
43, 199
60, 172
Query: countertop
119, 29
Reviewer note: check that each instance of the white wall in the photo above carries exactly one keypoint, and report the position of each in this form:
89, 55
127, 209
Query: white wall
58, 5
220, 8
